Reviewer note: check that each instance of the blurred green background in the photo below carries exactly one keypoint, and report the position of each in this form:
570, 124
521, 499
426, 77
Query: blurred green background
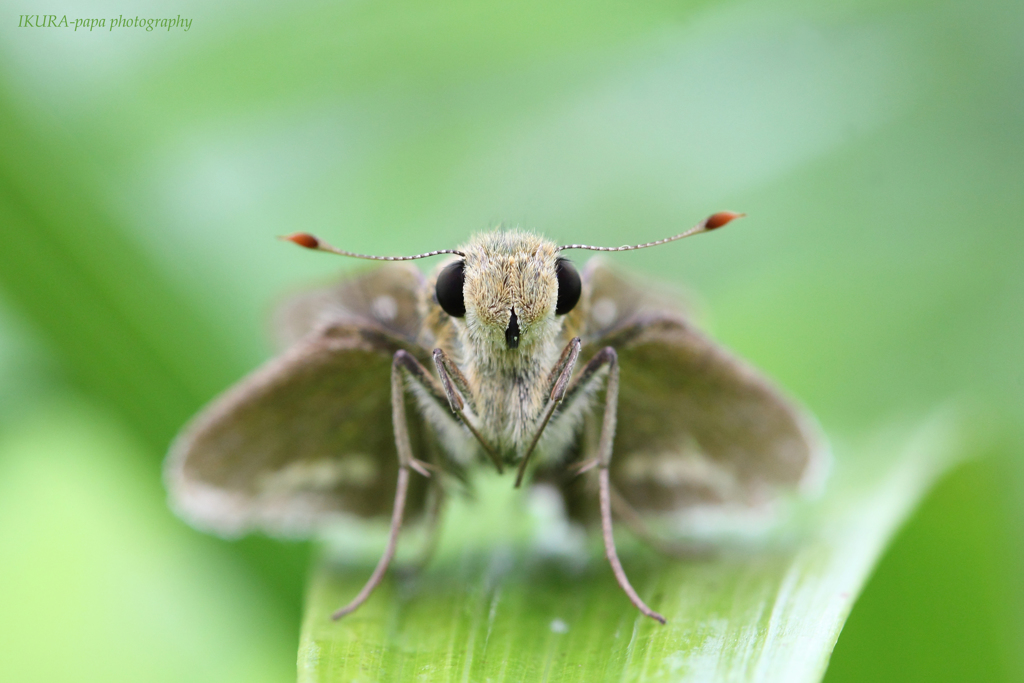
876, 146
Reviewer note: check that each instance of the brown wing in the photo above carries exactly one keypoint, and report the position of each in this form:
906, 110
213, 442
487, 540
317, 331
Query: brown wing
385, 297
696, 425
305, 438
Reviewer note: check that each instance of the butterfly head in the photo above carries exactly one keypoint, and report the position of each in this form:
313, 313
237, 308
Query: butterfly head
510, 289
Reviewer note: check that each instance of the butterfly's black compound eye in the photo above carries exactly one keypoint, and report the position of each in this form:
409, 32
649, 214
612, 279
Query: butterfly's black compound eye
449, 289
569, 286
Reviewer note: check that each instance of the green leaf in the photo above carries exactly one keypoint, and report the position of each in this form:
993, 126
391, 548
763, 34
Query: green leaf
497, 604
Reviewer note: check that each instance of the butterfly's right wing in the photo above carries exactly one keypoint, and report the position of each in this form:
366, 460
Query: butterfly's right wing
697, 426
308, 437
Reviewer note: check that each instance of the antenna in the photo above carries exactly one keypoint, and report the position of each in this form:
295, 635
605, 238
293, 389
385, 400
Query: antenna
712, 222
304, 239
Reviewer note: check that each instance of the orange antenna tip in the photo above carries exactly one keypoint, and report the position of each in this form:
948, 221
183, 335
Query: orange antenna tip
717, 220
303, 239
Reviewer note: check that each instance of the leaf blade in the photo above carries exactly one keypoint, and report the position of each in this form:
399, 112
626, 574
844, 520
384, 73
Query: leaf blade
499, 611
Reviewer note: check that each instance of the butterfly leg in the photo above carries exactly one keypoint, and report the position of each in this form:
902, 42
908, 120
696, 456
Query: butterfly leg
406, 461
559, 381
607, 356
435, 508
452, 379
625, 513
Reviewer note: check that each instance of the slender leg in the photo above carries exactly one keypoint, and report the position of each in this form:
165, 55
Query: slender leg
608, 356
613, 558
451, 374
452, 377
573, 347
624, 512
563, 368
604, 357
405, 462
433, 524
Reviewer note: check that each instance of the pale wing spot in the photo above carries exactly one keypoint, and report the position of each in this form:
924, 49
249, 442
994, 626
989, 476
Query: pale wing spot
384, 308
354, 469
604, 311
689, 465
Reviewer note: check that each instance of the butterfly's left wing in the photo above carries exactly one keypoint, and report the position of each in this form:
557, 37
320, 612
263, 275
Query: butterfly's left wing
308, 437
696, 425
386, 296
